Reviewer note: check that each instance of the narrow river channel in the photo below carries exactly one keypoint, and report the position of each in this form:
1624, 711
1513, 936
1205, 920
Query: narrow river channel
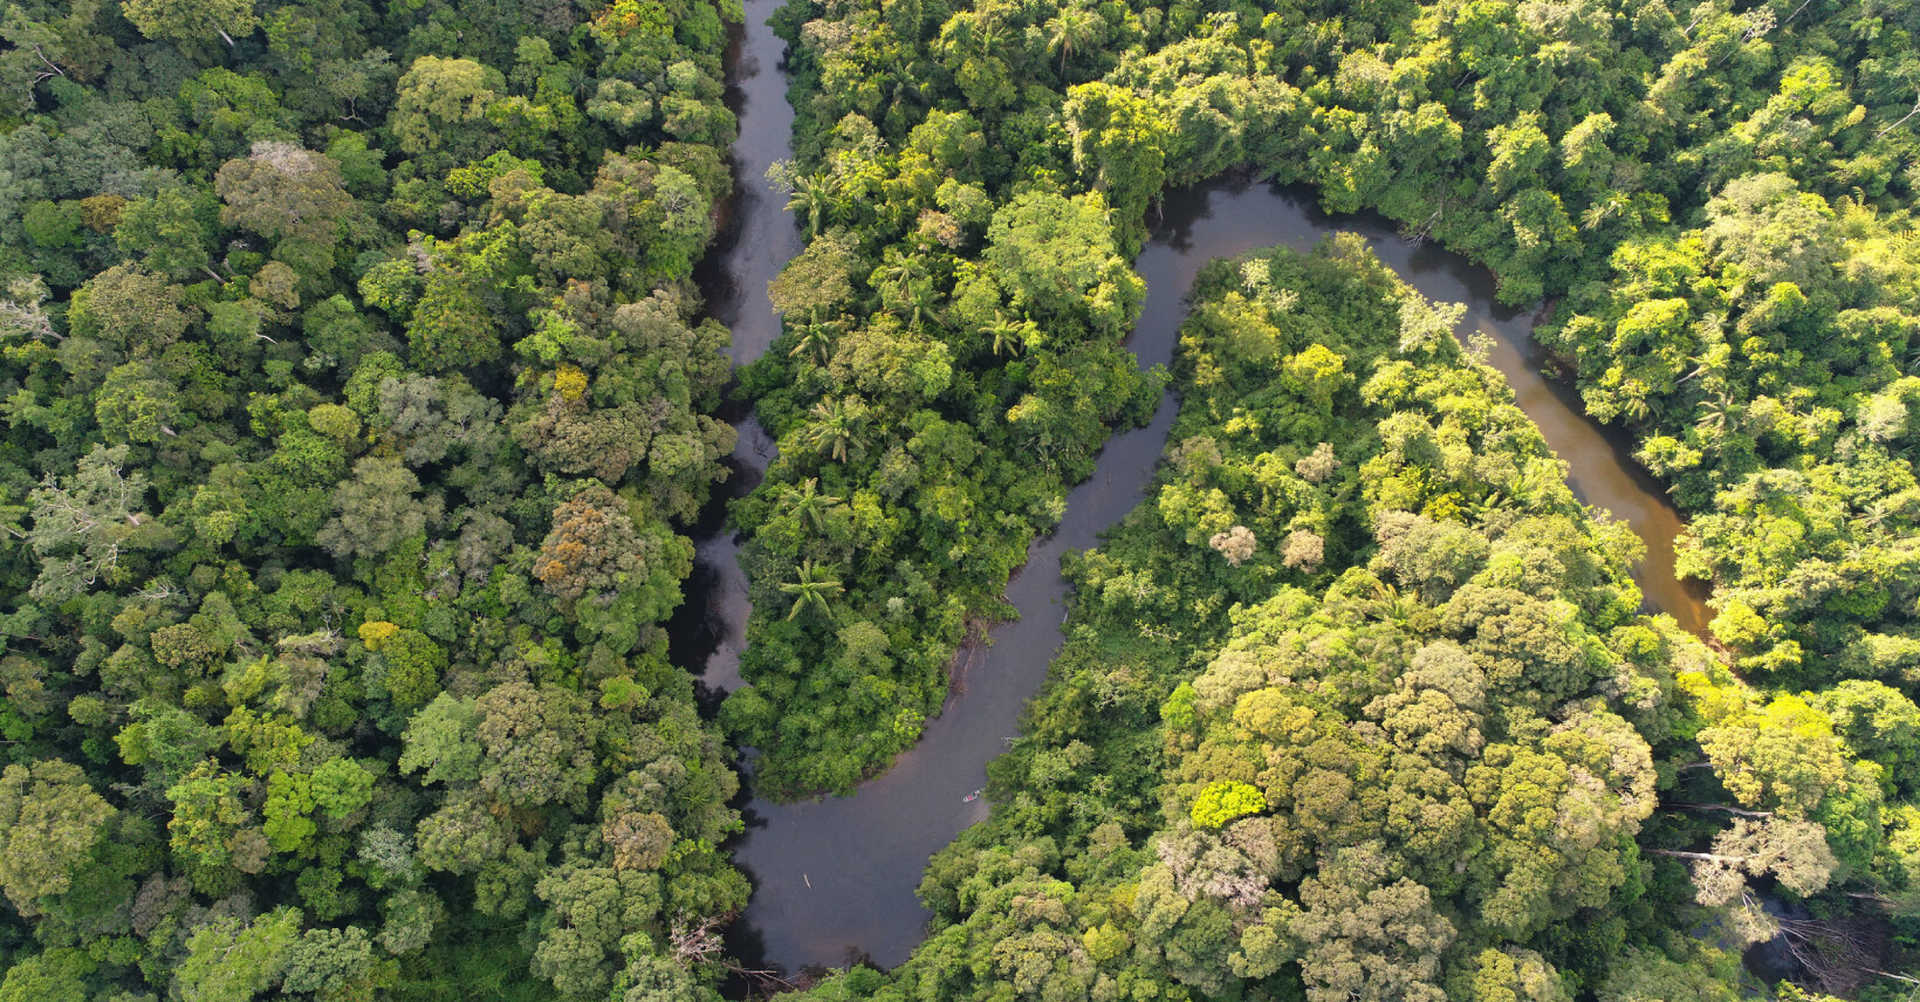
757, 239
834, 879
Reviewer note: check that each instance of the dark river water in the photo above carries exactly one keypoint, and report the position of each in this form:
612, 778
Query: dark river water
757, 239
834, 879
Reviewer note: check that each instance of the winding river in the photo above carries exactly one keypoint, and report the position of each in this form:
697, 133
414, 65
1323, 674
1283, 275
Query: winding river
834, 879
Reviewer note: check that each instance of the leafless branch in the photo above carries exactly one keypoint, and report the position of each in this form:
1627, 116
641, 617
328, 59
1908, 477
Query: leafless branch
702, 944
1700, 857
1736, 811
1839, 953
1903, 118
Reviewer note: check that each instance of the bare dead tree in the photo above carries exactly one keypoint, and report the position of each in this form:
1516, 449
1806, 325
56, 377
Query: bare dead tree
702, 944
1677, 805
963, 659
26, 319
764, 983
1417, 235
52, 68
1840, 954
1796, 13
1697, 857
1700, 14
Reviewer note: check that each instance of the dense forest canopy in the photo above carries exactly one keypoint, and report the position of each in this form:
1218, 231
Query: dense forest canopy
360, 403
1359, 705
356, 395
1717, 199
1387, 753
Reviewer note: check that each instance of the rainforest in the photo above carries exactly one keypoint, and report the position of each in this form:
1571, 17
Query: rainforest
942, 500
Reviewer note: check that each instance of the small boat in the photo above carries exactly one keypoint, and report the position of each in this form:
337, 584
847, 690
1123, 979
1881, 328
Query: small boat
975, 795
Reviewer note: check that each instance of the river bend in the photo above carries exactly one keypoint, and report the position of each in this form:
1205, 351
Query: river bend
834, 879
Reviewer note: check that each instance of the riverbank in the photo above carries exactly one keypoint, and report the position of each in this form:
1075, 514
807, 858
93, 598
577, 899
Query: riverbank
708, 633
835, 878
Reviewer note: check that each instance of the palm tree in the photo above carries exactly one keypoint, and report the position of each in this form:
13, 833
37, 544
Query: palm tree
816, 195
989, 36
835, 429
1488, 503
1072, 30
974, 33
1603, 209
1011, 336
814, 589
1876, 514
1716, 414
1393, 604
897, 279
816, 339
811, 506
1635, 406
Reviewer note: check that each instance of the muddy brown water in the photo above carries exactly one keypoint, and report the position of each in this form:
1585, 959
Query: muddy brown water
834, 879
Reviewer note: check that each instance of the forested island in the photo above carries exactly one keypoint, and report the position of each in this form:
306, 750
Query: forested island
365, 402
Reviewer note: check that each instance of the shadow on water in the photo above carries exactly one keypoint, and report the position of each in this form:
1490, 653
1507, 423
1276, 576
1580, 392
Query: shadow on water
834, 880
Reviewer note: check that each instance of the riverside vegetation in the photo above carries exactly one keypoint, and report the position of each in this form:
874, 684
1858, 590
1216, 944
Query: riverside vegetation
357, 395
1715, 196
